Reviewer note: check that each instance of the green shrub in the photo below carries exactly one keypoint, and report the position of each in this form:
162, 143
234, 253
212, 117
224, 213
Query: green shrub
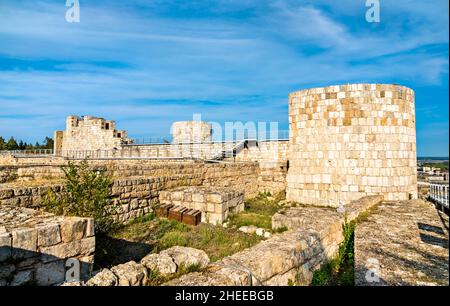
281, 229
86, 195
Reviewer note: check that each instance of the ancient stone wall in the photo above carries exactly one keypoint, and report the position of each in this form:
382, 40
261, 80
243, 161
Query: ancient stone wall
351, 140
137, 193
191, 131
272, 159
34, 246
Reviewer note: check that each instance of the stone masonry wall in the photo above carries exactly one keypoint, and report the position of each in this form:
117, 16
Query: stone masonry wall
138, 192
351, 140
34, 246
313, 238
272, 159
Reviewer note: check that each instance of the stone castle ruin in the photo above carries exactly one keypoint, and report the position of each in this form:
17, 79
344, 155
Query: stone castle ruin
89, 133
350, 145
345, 142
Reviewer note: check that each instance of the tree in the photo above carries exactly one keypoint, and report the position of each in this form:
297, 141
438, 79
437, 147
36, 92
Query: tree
87, 195
48, 143
12, 144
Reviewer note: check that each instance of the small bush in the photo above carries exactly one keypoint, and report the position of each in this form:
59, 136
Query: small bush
86, 195
281, 229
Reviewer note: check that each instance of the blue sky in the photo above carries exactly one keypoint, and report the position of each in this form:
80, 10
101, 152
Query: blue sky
148, 63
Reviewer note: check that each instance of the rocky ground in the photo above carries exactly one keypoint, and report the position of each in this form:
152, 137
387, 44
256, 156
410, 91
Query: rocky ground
403, 243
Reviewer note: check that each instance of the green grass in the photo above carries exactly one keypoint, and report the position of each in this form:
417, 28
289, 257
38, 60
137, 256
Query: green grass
258, 211
154, 234
216, 241
340, 270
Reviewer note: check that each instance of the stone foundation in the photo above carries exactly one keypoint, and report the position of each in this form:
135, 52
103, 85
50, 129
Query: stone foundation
214, 203
35, 246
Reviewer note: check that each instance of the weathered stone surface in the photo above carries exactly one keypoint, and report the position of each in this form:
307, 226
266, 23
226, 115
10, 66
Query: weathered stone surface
403, 243
90, 227
32, 239
22, 278
49, 235
200, 279
73, 228
235, 275
290, 256
72, 284
6, 194
5, 246
130, 274
215, 203
162, 263
70, 249
103, 278
52, 273
24, 242
187, 256
6, 270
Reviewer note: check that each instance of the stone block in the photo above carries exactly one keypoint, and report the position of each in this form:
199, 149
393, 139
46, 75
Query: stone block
52, 273
162, 263
24, 242
5, 247
73, 228
49, 235
130, 274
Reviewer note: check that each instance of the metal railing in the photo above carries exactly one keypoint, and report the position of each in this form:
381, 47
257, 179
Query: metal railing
28, 153
238, 137
439, 193
156, 151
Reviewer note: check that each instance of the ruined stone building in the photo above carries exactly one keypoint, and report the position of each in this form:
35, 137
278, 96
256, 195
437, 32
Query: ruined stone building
345, 141
89, 133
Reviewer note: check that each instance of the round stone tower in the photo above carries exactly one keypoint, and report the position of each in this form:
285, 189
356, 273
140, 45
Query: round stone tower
191, 131
353, 140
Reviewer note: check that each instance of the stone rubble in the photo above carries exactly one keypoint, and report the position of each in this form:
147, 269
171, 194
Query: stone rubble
166, 263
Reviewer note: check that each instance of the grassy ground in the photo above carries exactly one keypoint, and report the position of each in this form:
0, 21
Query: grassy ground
340, 270
151, 234
258, 211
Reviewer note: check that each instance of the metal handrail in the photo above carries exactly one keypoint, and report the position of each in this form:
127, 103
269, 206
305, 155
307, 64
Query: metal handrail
439, 193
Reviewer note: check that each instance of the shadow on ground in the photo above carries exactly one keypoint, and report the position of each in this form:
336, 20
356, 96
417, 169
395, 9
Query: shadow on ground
112, 251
